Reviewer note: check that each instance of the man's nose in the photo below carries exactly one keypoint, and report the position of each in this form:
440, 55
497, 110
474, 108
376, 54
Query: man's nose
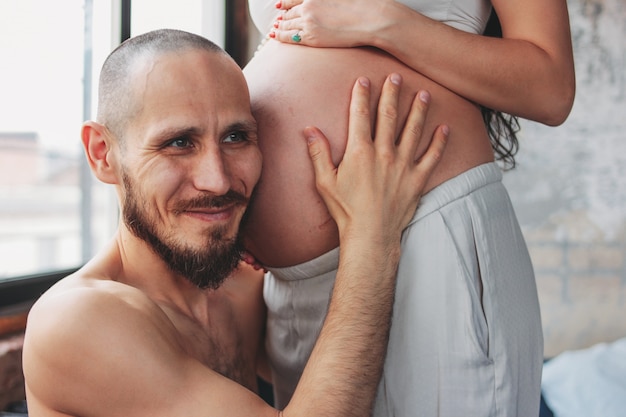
211, 173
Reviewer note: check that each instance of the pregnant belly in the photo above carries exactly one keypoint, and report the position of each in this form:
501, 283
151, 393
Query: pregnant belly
292, 87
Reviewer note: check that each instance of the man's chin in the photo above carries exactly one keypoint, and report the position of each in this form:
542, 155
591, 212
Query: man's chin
209, 269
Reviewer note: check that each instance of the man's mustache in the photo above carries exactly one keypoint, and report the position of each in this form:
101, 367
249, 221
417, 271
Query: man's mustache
211, 201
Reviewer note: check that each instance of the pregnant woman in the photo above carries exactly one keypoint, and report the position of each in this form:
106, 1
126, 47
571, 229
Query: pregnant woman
466, 337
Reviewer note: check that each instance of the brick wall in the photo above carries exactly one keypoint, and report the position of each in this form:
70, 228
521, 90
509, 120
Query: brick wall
582, 291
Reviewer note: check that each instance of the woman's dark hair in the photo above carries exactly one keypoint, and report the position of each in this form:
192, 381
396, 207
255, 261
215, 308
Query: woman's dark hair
502, 127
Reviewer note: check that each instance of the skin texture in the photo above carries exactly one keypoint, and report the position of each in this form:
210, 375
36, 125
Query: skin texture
128, 336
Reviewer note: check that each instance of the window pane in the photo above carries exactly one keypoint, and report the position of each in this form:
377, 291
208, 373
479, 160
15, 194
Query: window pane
42, 45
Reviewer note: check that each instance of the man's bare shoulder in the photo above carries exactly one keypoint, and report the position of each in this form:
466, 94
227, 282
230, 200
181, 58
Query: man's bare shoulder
83, 321
84, 299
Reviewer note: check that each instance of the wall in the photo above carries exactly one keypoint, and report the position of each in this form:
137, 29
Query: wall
570, 190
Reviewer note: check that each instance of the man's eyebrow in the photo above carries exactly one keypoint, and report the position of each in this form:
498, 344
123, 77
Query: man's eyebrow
245, 125
183, 131
176, 132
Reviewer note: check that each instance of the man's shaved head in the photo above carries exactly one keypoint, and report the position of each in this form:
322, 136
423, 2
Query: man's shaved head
116, 106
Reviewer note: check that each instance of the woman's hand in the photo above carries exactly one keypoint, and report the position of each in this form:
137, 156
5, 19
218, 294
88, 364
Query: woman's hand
375, 190
329, 23
529, 72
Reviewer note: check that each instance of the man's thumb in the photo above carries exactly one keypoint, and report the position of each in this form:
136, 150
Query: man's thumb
319, 152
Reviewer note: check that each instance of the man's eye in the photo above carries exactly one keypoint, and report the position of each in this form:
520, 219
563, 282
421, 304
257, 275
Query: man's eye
236, 137
180, 143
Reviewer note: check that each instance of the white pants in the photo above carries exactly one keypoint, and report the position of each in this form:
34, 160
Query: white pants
466, 337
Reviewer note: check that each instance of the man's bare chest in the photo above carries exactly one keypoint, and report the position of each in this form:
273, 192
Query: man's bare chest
221, 345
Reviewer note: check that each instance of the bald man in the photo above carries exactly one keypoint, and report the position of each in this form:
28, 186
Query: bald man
161, 322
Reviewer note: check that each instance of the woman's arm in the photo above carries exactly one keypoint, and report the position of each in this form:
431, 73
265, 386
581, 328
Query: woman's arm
529, 72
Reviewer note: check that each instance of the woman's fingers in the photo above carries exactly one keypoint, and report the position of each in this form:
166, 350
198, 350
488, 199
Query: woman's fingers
287, 4
294, 36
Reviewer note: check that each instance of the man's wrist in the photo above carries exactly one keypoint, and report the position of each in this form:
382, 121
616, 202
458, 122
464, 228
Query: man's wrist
375, 254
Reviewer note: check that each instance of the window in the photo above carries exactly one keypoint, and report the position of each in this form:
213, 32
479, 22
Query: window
45, 87
53, 214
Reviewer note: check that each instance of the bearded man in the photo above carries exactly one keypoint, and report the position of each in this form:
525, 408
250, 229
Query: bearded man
160, 323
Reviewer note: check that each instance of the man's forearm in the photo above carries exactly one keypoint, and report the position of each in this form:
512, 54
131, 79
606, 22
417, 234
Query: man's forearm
344, 369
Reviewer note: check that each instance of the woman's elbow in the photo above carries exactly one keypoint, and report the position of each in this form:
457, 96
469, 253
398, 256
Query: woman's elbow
557, 107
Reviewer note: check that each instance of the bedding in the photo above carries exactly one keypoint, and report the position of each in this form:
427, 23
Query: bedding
587, 383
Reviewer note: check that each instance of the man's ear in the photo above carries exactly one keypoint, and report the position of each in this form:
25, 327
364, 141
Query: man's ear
100, 151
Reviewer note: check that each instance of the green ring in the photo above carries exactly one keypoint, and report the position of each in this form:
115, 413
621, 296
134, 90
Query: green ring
296, 37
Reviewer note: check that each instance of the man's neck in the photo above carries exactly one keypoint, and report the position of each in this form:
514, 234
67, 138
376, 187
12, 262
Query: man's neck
142, 268
216, 327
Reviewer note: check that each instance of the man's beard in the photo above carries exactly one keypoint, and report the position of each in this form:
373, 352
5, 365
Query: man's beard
206, 267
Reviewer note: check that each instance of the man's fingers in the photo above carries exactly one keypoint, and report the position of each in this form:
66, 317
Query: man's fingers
387, 117
359, 123
428, 162
319, 152
414, 127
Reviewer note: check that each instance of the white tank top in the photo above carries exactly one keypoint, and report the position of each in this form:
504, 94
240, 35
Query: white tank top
467, 15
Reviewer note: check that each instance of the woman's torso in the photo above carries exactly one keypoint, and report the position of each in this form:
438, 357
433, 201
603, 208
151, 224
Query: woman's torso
292, 87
